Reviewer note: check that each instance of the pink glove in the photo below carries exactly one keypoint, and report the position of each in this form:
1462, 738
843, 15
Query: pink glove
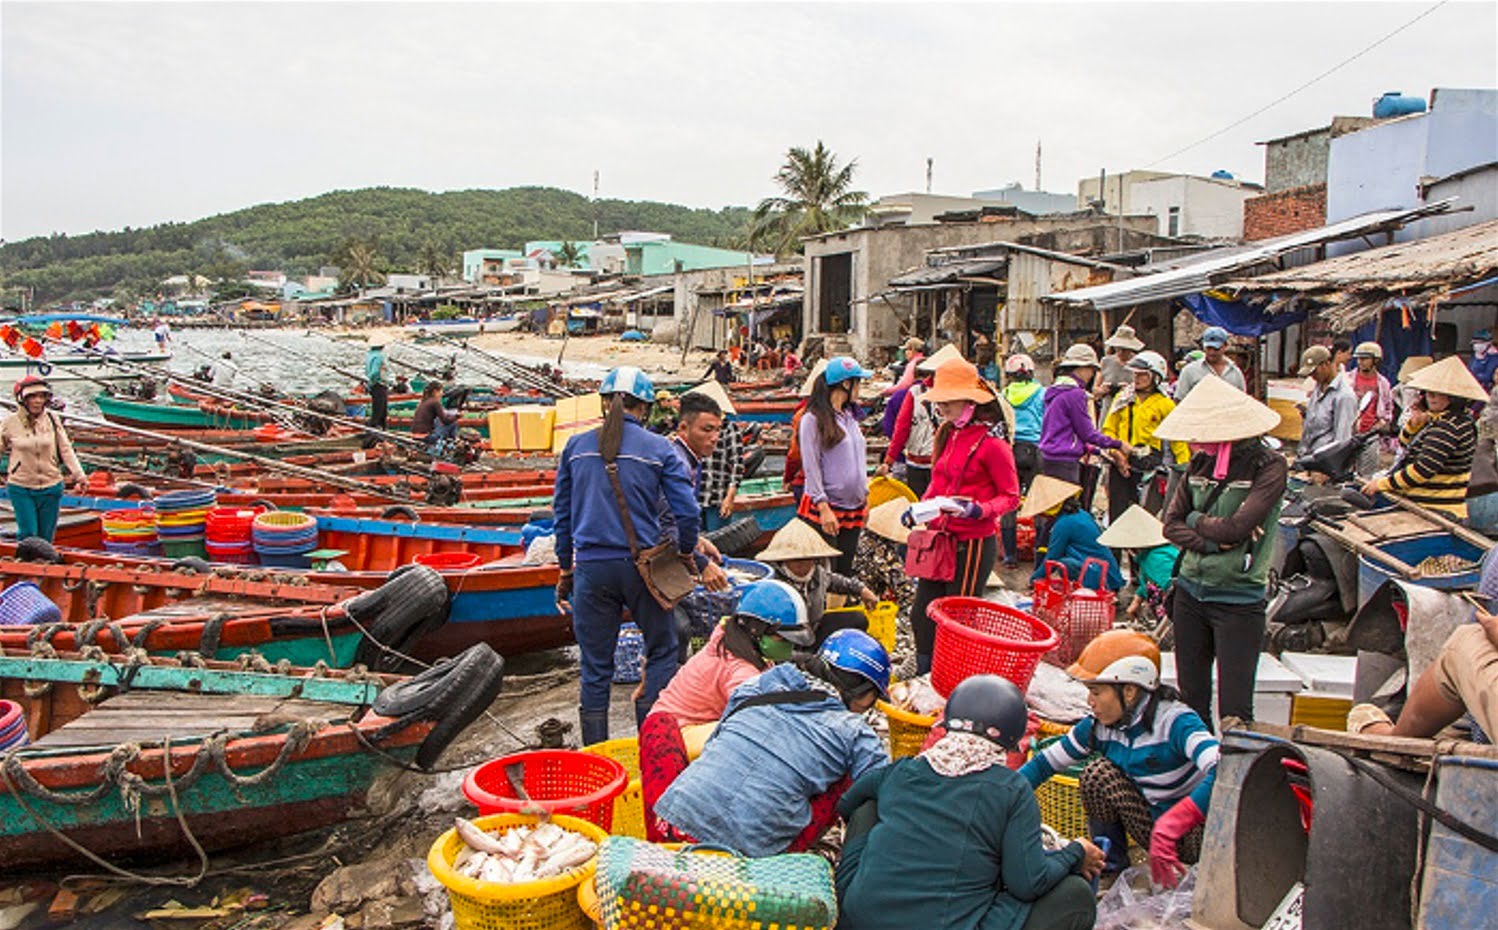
1165, 862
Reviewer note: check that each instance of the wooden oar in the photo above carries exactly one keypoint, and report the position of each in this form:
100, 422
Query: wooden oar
312, 474
108, 464
353, 376
524, 374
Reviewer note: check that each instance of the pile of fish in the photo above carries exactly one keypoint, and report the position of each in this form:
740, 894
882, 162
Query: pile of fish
1444, 565
521, 854
918, 696
739, 575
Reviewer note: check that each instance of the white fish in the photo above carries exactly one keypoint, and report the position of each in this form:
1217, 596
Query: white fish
476, 837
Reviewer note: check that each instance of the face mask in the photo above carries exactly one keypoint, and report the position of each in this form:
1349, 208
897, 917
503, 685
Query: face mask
966, 417
774, 648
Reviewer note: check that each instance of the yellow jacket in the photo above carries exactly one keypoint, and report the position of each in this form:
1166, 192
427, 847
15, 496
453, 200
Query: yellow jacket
1133, 419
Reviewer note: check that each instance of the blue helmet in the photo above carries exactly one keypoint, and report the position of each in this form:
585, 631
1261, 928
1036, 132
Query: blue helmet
845, 368
778, 606
857, 652
626, 379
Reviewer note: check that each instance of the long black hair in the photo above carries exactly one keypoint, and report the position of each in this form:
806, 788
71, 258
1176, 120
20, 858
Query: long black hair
819, 405
742, 642
611, 434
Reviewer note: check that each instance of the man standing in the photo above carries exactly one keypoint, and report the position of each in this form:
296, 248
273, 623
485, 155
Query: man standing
721, 369
722, 461
1375, 402
1213, 362
374, 376
1332, 408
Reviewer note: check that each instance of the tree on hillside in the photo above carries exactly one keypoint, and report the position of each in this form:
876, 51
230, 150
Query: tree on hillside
817, 197
358, 261
434, 261
568, 255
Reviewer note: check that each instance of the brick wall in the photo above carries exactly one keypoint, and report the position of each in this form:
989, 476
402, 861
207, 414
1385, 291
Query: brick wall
1289, 211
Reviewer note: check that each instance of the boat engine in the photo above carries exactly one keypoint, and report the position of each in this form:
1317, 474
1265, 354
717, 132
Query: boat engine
444, 490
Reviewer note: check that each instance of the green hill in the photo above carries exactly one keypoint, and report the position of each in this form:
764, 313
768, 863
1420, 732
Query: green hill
301, 235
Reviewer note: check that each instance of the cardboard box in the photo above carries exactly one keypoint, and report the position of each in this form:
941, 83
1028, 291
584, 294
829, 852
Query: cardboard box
522, 428
575, 415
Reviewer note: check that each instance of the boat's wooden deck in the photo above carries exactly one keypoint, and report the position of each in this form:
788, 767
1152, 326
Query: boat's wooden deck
148, 717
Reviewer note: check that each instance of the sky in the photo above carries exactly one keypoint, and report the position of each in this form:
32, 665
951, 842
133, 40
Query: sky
116, 114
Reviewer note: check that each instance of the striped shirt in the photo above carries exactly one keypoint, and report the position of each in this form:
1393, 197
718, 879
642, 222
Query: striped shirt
1437, 463
1175, 758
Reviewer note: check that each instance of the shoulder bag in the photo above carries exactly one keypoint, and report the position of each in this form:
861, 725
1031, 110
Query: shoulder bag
931, 552
664, 570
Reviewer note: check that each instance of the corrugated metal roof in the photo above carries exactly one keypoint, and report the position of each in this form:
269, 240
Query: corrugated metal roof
1196, 276
946, 273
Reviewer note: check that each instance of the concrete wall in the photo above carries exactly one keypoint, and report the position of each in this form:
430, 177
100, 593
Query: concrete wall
919, 209
1476, 189
695, 320
1115, 189
1208, 208
661, 257
1037, 203
1298, 161
473, 260
1284, 212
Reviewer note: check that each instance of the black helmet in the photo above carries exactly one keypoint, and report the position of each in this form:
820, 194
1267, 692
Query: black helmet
990, 707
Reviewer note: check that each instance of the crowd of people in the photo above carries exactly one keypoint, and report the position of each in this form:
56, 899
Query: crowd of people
783, 682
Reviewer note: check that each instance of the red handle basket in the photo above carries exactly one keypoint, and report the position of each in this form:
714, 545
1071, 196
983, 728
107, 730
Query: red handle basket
978, 637
563, 781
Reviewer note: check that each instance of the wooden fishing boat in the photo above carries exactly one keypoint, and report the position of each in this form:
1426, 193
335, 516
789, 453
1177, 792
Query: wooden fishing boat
81, 366
463, 326
147, 758
214, 414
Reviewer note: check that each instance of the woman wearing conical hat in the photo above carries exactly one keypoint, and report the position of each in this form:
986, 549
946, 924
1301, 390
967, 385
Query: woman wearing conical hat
1439, 440
800, 555
1224, 517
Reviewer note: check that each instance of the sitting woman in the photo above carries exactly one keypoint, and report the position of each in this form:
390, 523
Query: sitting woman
1439, 440
786, 748
1140, 532
432, 421
951, 838
1153, 781
799, 556
1074, 534
769, 622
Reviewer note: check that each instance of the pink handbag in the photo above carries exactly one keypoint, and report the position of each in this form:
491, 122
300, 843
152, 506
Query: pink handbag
931, 555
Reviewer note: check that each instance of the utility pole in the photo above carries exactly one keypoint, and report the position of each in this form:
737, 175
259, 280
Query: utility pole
929, 163
1037, 164
595, 204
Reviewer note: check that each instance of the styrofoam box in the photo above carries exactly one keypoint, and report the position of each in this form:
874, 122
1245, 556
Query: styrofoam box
1273, 686
1327, 675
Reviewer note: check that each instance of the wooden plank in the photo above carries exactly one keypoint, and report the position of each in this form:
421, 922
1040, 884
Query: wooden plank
1451, 526
1372, 552
144, 717
198, 680
1391, 745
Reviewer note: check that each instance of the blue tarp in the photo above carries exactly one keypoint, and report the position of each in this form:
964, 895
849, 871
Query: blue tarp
1237, 317
1399, 341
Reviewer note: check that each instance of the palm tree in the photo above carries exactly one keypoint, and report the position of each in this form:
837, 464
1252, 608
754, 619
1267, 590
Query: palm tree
434, 261
817, 198
568, 254
359, 261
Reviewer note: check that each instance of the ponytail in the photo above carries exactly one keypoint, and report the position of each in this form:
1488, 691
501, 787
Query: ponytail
611, 434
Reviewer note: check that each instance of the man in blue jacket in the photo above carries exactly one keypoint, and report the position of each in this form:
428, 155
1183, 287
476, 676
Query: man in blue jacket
599, 580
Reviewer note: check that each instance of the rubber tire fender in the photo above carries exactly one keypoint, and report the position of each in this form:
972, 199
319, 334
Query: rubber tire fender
192, 564
414, 602
736, 536
754, 458
37, 549
401, 510
130, 490
454, 692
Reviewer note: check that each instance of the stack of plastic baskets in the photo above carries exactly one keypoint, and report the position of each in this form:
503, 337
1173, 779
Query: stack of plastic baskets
282, 539
24, 604
12, 726
229, 535
180, 520
131, 532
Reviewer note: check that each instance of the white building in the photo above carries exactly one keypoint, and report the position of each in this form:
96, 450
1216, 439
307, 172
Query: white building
1185, 204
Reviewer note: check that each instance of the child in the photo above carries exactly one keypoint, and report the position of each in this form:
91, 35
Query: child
1154, 557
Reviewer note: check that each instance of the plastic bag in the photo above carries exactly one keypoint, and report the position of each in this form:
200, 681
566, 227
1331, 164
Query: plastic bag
1133, 904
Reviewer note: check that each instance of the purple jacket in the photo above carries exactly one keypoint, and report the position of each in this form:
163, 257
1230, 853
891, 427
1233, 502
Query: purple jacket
1066, 429
892, 411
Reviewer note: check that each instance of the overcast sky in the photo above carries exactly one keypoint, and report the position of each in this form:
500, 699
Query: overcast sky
136, 113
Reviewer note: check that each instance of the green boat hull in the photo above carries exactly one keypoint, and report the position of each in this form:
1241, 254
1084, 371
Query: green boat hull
169, 416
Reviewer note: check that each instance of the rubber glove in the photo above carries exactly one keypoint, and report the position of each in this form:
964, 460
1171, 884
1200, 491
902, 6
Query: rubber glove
907, 520
971, 510
1165, 861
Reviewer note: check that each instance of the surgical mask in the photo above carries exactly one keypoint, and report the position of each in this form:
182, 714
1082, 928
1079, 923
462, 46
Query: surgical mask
774, 648
966, 417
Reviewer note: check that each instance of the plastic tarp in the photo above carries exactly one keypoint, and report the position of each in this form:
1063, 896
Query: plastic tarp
1402, 332
1237, 317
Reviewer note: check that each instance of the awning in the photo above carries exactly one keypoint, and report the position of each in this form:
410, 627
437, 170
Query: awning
947, 274
1216, 267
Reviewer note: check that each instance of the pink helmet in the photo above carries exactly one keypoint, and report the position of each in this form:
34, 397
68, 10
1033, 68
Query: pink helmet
1019, 362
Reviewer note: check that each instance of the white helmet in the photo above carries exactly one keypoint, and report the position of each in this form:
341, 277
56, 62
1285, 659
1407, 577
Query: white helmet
1151, 362
1130, 670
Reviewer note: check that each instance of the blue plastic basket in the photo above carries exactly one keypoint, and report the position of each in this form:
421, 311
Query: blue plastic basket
705, 608
628, 652
24, 604
284, 559
175, 501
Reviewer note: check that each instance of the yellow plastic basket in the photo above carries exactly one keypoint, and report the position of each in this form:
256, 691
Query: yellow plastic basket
908, 730
549, 904
884, 489
882, 623
1049, 728
629, 807
1060, 798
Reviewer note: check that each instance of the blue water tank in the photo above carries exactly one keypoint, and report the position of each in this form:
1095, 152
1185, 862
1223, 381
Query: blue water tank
1393, 103
1222, 175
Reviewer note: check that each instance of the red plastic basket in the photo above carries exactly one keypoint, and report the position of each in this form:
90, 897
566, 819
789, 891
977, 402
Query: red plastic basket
978, 637
1078, 615
1024, 537
448, 561
563, 781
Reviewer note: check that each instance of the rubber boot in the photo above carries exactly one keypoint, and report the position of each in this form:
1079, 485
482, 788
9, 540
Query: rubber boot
1118, 848
922, 663
594, 725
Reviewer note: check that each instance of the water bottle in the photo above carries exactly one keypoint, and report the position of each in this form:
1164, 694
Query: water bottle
1103, 843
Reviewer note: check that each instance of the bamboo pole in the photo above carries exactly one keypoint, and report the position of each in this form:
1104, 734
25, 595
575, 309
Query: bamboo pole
1373, 552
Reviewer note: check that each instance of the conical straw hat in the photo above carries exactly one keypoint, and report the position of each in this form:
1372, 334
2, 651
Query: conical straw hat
1137, 528
816, 372
1448, 376
1410, 365
715, 390
938, 358
884, 520
1045, 493
1215, 411
797, 540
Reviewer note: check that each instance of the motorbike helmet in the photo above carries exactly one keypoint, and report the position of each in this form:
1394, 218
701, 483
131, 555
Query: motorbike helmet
1110, 646
779, 608
858, 653
988, 706
31, 384
626, 379
845, 368
1130, 670
1018, 362
1151, 362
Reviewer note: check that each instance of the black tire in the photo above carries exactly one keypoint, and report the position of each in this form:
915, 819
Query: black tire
405, 608
539, 516
474, 687
192, 564
415, 694
400, 510
37, 549
754, 459
736, 536
130, 490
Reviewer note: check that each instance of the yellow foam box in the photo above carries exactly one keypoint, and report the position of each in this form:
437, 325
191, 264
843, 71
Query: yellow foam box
522, 428
576, 415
